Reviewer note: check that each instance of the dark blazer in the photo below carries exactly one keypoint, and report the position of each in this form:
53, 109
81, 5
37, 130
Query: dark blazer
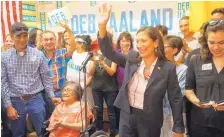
163, 78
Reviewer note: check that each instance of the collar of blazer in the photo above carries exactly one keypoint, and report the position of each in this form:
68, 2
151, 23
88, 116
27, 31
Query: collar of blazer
157, 71
133, 56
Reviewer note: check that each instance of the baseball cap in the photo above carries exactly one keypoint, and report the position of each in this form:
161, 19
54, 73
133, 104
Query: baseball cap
18, 28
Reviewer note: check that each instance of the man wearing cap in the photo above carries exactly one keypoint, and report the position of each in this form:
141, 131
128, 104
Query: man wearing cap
57, 59
24, 75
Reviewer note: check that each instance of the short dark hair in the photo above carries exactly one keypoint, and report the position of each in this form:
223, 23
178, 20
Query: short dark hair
175, 42
163, 29
77, 89
185, 18
33, 35
154, 34
218, 10
87, 43
125, 35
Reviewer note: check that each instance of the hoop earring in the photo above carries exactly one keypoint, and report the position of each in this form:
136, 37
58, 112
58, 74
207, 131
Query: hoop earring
156, 50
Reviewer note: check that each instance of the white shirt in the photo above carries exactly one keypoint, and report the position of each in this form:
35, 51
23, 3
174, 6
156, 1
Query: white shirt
74, 65
194, 44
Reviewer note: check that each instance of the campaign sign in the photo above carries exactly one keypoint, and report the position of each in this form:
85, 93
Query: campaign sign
62, 14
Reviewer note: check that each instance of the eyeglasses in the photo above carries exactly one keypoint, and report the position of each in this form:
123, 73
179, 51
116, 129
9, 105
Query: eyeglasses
168, 47
20, 29
67, 90
215, 22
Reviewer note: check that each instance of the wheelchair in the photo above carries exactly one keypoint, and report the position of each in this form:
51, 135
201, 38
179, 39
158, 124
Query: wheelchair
91, 130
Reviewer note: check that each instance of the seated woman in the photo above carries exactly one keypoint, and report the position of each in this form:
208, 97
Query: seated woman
68, 117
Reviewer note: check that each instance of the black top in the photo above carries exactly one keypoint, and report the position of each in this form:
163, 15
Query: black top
102, 80
192, 54
207, 84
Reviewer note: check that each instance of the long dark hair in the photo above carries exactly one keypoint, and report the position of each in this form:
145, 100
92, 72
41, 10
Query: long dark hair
33, 35
155, 35
212, 26
163, 29
63, 40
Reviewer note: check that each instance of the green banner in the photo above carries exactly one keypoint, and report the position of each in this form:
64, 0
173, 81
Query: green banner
29, 7
45, 2
59, 4
29, 14
183, 8
28, 18
42, 21
92, 3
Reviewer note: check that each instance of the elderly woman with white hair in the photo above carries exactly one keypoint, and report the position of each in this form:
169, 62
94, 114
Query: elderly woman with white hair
68, 117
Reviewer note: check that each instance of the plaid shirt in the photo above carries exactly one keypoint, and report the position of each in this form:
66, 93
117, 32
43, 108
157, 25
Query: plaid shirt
22, 75
57, 67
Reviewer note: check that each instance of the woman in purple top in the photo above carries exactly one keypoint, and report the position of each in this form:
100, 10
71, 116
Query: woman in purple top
124, 44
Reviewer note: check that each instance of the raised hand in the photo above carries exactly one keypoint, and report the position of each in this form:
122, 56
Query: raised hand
64, 25
185, 49
60, 34
104, 11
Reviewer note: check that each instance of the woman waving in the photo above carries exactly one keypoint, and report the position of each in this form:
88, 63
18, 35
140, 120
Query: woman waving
148, 75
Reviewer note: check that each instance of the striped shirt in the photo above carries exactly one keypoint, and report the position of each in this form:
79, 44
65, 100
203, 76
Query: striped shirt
69, 115
22, 75
57, 67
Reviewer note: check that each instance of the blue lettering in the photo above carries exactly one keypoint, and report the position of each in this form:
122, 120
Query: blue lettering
75, 24
132, 29
170, 18
63, 16
91, 23
144, 20
71, 65
54, 19
76, 67
113, 24
155, 19
123, 23
58, 16
82, 22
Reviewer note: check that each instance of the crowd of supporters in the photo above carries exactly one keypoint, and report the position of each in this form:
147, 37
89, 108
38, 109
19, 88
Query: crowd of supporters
169, 86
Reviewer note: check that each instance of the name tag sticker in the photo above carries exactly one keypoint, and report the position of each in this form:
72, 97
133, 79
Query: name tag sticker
75, 110
207, 66
34, 58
